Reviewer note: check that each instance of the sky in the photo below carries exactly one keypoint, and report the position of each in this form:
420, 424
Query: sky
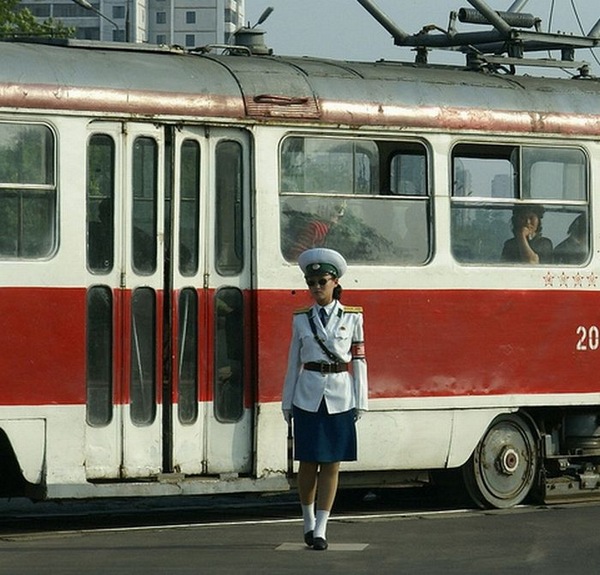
343, 29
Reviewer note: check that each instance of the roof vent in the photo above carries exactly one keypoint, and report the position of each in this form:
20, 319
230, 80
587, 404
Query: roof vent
253, 38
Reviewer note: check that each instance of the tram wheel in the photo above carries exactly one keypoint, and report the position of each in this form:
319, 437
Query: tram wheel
503, 467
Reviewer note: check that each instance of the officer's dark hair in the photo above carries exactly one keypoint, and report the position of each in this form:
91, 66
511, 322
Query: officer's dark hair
337, 292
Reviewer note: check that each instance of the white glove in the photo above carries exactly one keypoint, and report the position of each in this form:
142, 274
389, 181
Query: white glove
287, 415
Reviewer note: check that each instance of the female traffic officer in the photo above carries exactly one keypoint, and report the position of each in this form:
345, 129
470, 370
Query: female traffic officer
325, 388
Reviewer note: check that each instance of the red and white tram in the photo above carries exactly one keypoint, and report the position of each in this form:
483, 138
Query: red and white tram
151, 206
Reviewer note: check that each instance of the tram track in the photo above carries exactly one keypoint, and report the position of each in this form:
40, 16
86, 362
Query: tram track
76, 517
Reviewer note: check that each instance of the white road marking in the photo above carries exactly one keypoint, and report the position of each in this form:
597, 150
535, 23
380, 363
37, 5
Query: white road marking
332, 547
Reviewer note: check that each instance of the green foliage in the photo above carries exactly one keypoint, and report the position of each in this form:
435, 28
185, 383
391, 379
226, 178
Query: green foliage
360, 241
16, 22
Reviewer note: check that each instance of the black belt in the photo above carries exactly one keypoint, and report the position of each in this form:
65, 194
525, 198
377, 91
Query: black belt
326, 367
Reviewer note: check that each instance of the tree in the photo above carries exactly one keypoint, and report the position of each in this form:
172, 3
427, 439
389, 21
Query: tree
16, 22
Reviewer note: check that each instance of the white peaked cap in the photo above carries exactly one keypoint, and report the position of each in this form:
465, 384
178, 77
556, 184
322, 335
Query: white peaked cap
318, 261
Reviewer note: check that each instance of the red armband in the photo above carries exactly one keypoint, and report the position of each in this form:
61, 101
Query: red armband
358, 350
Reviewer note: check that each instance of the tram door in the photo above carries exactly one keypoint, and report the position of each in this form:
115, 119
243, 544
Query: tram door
167, 388
211, 277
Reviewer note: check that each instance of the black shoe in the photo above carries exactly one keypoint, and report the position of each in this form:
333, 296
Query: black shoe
319, 544
309, 538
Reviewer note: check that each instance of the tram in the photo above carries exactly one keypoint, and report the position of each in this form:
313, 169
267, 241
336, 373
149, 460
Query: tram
152, 205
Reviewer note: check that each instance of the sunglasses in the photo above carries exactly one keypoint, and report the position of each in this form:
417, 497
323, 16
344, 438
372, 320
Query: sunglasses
321, 282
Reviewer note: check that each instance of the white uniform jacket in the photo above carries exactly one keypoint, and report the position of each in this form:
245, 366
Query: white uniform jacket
344, 337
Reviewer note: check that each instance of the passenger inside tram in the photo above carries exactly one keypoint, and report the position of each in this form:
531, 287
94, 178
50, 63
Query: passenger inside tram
101, 238
574, 249
313, 230
528, 244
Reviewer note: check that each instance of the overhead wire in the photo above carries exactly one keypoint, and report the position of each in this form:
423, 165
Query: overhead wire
582, 30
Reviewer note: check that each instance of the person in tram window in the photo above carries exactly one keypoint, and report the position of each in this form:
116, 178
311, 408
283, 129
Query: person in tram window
313, 232
528, 244
325, 389
574, 249
101, 238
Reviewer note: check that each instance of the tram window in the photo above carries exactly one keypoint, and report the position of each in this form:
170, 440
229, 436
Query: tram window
329, 166
229, 355
229, 208
144, 215
99, 367
497, 190
188, 356
408, 174
554, 174
100, 203
143, 357
189, 208
28, 224
367, 199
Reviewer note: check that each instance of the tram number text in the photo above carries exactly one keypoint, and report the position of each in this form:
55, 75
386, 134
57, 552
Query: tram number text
589, 338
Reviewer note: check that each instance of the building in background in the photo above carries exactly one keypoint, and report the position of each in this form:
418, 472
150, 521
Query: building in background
187, 23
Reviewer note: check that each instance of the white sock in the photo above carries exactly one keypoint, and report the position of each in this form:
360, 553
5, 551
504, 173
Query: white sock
321, 523
308, 514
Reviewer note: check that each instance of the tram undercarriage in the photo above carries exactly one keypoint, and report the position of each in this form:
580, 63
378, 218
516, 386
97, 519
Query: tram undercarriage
545, 455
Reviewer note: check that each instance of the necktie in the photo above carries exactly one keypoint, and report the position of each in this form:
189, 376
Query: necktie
323, 316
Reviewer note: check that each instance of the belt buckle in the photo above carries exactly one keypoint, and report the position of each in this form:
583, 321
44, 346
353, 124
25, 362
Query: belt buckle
324, 367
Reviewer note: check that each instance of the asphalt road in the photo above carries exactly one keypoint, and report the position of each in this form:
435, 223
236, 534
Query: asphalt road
373, 537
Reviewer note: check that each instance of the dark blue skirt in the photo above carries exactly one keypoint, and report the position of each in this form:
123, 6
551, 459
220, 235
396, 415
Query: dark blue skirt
322, 437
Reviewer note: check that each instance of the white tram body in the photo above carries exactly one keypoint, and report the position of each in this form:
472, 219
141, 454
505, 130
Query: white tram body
153, 202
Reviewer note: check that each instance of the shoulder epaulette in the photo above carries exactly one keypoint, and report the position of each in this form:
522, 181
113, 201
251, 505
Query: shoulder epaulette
302, 310
353, 309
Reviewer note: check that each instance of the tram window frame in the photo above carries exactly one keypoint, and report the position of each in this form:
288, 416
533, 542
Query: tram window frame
366, 209
28, 191
100, 203
189, 207
142, 357
550, 181
144, 229
229, 207
229, 386
99, 356
187, 361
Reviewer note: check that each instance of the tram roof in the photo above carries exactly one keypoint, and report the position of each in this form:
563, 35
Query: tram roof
161, 81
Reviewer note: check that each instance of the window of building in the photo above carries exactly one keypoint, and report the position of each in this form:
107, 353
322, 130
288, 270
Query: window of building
28, 202
39, 11
87, 33
230, 16
161, 39
118, 12
520, 205
368, 199
190, 17
190, 40
161, 17
71, 10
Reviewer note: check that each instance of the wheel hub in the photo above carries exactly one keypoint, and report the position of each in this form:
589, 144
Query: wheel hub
509, 460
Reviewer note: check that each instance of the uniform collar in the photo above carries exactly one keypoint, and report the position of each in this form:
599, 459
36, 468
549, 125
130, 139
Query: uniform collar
329, 308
